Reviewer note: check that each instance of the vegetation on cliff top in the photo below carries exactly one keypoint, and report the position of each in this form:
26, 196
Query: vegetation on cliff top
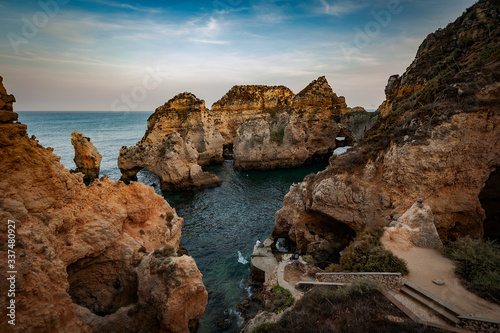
478, 265
281, 298
360, 307
366, 254
452, 65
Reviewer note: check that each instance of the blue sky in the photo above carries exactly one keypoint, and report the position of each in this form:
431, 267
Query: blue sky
103, 55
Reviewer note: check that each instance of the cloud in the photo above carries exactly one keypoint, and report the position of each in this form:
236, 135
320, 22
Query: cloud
207, 41
338, 8
127, 6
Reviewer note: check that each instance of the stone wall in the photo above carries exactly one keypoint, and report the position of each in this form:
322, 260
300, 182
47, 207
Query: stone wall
389, 280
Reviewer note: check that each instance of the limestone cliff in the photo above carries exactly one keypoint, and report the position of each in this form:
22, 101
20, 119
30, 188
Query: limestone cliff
266, 126
242, 103
188, 116
174, 160
438, 139
302, 130
85, 256
87, 158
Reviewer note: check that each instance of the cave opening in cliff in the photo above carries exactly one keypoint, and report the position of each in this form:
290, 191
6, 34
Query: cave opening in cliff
102, 285
490, 201
228, 152
331, 238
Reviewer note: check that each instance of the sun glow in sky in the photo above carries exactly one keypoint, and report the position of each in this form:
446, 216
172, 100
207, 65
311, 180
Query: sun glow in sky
104, 55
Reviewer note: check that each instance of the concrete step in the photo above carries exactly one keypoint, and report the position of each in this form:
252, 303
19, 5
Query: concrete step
442, 309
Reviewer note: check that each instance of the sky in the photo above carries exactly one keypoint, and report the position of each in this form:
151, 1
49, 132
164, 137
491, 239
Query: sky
109, 55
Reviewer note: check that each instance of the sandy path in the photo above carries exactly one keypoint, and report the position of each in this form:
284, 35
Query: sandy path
426, 265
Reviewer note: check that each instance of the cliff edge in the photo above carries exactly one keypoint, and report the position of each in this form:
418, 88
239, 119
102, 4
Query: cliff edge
438, 138
100, 258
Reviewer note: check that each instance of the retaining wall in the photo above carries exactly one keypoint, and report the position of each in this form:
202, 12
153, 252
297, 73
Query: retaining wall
389, 280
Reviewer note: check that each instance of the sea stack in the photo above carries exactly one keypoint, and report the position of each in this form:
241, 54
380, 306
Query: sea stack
87, 157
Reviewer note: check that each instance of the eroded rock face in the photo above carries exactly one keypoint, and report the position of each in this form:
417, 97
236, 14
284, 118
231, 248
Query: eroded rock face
415, 228
174, 160
266, 127
73, 241
438, 139
6, 110
301, 130
87, 158
188, 116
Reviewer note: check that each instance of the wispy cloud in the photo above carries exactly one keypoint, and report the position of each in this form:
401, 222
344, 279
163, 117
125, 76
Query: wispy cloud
207, 41
127, 6
338, 8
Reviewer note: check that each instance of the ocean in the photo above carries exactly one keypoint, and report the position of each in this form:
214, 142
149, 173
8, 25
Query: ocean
221, 224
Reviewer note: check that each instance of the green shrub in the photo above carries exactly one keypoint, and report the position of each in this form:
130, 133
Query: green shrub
366, 254
477, 262
277, 134
308, 259
360, 307
170, 217
282, 298
264, 328
166, 251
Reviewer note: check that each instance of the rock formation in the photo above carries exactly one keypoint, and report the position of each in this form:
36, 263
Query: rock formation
174, 161
88, 259
438, 138
6, 111
87, 158
242, 103
415, 228
188, 116
267, 127
295, 132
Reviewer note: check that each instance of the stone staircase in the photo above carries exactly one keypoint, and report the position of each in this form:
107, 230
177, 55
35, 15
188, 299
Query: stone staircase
441, 309
426, 308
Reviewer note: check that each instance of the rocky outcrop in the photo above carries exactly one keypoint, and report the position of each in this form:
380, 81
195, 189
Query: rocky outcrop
174, 160
415, 228
438, 138
298, 131
6, 110
87, 158
85, 257
242, 103
188, 116
266, 127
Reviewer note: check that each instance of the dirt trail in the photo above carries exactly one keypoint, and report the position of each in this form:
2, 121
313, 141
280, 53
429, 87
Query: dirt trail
426, 265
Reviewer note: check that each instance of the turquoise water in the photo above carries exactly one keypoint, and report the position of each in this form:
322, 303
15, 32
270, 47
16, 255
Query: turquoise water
221, 224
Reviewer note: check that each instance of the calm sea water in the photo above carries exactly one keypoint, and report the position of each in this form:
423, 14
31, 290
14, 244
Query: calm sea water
221, 224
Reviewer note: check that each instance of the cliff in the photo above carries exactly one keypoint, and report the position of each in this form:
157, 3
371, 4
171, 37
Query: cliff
298, 132
87, 158
88, 259
174, 160
188, 116
437, 139
266, 127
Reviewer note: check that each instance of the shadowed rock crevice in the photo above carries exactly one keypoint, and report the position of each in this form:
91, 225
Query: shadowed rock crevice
331, 237
102, 285
318, 235
490, 201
